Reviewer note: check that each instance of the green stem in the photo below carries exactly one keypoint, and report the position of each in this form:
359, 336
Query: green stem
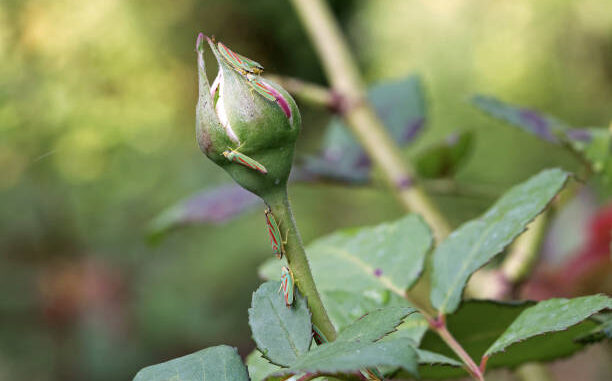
344, 77
307, 92
298, 262
471, 366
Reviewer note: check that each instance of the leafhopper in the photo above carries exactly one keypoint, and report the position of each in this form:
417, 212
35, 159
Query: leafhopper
318, 336
238, 62
287, 285
278, 245
234, 156
371, 374
258, 85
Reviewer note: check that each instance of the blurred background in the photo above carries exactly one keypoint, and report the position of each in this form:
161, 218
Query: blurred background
97, 138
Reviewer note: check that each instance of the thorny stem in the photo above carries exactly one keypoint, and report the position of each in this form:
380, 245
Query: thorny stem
344, 77
297, 260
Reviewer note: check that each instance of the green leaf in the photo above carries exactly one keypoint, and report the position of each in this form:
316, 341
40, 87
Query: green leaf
444, 158
221, 363
475, 243
602, 331
259, 367
432, 358
413, 327
549, 316
492, 319
386, 256
281, 333
426, 359
595, 144
543, 126
350, 356
375, 324
344, 307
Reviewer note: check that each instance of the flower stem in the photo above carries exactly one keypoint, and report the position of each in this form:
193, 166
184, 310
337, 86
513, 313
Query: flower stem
278, 202
344, 77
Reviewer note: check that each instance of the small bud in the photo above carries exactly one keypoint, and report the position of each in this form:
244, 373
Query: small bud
244, 123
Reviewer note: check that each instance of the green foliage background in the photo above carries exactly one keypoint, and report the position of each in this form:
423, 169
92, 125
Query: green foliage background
97, 137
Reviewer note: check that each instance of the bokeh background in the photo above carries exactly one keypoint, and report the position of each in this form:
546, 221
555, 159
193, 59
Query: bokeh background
97, 138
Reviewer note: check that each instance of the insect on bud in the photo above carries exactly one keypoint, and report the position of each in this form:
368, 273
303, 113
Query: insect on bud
244, 123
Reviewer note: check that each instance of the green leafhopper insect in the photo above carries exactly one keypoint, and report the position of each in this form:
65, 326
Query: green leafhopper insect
268, 92
240, 63
318, 336
287, 285
242, 159
372, 374
258, 85
276, 239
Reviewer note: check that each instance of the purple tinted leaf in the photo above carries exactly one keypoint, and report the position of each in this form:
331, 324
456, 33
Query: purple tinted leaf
412, 130
316, 169
341, 159
543, 126
537, 124
579, 135
401, 106
214, 206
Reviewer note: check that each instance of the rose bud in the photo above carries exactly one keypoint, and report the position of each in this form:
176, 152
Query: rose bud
244, 123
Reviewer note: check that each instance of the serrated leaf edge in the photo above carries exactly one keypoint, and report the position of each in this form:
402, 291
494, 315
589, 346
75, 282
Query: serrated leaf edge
443, 306
489, 355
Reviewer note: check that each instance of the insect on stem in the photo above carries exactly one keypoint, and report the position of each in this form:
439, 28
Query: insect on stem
318, 336
276, 239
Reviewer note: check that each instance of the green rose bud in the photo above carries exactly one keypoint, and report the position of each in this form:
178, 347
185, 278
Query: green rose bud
244, 123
